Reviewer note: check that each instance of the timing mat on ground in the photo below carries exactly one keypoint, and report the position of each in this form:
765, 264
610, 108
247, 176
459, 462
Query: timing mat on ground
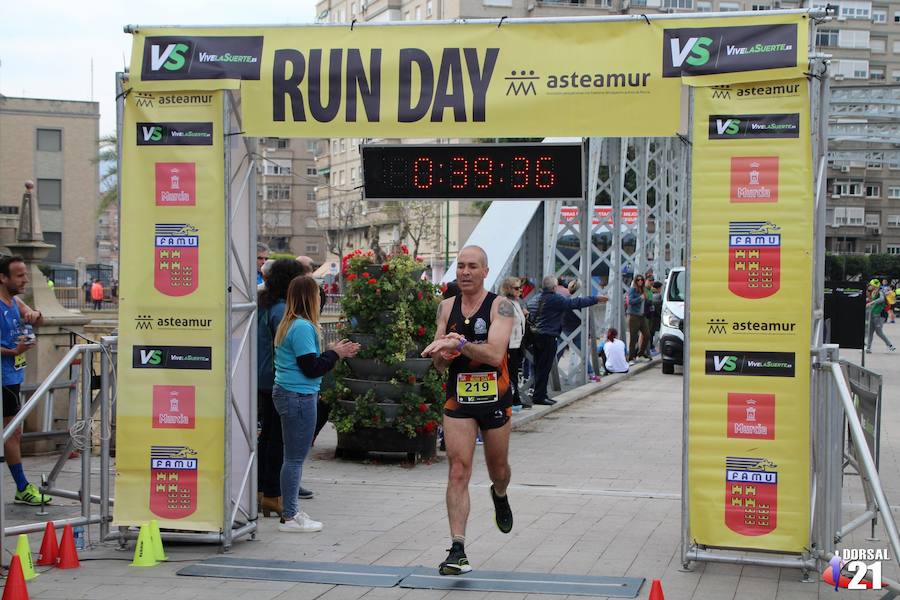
415, 577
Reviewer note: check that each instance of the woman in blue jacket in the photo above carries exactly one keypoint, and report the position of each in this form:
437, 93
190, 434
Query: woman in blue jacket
299, 367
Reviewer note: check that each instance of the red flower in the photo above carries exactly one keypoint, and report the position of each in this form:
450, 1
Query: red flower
366, 275
404, 248
411, 379
430, 426
351, 276
420, 331
373, 281
357, 251
420, 259
420, 295
385, 268
423, 407
444, 387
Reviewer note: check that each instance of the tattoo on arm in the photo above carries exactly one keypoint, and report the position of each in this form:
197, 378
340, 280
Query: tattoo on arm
506, 309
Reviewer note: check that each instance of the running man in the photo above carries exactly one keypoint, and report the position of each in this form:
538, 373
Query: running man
472, 338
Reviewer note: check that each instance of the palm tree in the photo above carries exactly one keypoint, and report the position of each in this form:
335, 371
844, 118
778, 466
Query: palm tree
107, 158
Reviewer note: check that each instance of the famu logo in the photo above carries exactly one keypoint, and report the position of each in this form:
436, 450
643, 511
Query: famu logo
752, 364
201, 57
174, 134
733, 127
709, 50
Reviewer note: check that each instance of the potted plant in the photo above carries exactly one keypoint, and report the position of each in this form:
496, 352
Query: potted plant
387, 398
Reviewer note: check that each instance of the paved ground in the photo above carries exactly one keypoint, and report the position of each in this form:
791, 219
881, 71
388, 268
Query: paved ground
596, 487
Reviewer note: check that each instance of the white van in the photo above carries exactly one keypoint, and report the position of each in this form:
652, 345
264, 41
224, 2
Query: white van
671, 332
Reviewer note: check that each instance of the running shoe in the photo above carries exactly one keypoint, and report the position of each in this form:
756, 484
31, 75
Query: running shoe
305, 494
31, 496
503, 516
456, 563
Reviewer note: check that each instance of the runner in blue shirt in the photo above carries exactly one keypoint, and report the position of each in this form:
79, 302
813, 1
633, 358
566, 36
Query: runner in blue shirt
16, 339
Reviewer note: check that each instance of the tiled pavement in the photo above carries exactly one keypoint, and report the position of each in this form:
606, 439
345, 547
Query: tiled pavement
596, 487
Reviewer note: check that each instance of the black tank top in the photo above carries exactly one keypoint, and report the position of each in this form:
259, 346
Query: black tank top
472, 385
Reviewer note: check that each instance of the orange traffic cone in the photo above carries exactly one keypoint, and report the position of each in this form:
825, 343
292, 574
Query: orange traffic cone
15, 581
68, 556
49, 547
656, 592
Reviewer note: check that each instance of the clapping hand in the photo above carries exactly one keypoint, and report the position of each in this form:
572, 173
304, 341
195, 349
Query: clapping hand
345, 348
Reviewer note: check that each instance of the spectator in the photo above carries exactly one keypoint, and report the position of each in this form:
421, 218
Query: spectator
527, 287
307, 262
86, 288
890, 299
655, 314
638, 324
299, 367
269, 442
264, 271
451, 290
262, 255
97, 294
115, 288
875, 305
15, 324
549, 308
614, 353
512, 288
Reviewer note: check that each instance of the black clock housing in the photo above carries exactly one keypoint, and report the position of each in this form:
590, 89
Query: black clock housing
473, 172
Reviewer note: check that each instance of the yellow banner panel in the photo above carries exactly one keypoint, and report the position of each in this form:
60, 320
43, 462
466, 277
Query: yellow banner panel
473, 80
171, 371
750, 281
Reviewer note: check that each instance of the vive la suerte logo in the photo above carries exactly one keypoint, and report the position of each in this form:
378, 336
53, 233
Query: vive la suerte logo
174, 134
201, 57
710, 50
732, 127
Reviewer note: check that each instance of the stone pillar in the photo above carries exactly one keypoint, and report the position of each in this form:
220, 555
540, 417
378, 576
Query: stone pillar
52, 335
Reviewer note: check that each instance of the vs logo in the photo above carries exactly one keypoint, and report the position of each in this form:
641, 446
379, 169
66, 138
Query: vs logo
152, 133
724, 364
171, 58
728, 126
151, 358
694, 52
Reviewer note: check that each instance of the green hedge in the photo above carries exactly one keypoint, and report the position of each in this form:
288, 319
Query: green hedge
843, 267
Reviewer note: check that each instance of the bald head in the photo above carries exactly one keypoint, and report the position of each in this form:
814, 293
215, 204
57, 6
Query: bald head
478, 251
307, 264
471, 269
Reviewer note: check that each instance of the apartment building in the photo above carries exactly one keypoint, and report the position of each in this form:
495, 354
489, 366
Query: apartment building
53, 143
286, 197
863, 40
863, 214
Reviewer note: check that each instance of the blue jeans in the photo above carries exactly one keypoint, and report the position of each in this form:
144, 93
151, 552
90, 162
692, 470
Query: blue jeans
298, 422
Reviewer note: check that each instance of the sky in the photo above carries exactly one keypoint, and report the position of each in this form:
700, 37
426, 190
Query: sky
46, 46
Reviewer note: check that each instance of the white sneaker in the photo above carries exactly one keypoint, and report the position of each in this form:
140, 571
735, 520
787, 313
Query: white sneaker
300, 523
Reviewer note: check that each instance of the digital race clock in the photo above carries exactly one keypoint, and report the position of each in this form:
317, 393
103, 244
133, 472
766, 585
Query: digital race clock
478, 171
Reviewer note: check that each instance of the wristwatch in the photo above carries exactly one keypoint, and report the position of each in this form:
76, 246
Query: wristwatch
462, 342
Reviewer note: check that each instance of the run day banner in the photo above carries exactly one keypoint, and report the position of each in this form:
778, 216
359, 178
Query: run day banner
750, 306
172, 307
471, 80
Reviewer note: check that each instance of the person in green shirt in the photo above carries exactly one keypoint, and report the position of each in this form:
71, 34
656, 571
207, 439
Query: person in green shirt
876, 305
